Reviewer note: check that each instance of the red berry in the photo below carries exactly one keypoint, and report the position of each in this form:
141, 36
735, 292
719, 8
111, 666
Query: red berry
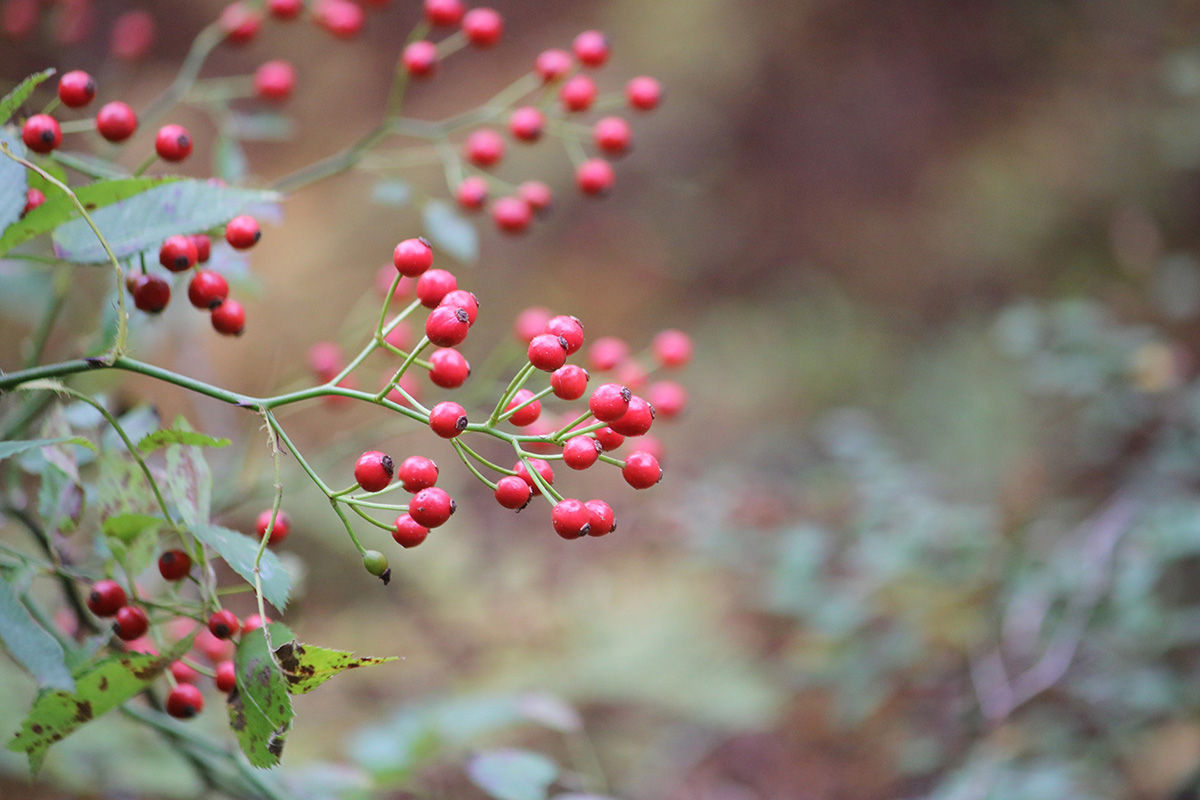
76, 88
253, 623
275, 80
536, 195
578, 93
543, 469
400, 336
224, 624
643, 93
608, 438
483, 26
178, 253
116, 121
449, 369
569, 328
431, 507
106, 598
131, 622
374, 470
207, 289
420, 59
417, 473
408, 532
434, 285
512, 214
239, 22
569, 382
33, 199
226, 677
174, 565
595, 176
185, 701
472, 193
285, 9
203, 247
41, 133
151, 293
636, 420
551, 65
132, 35
182, 673
672, 348
242, 232
444, 12
413, 256
281, 529
340, 17
214, 649
591, 48
571, 518
173, 143
229, 318
547, 352
461, 298
513, 492
641, 470
530, 322
607, 352
325, 360
612, 135
526, 123
484, 148
529, 413
447, 326
448, 419
609, 401
580, 452
18, 17
668, 398
600, 516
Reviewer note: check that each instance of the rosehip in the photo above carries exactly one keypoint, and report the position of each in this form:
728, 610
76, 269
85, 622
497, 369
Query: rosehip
417, 473
340, 17
607, 352
254, 622
132, 35
569, 382
641, 470
376, 563
668, 398
551, 65
547, 351
184, 701
207, 289
528, 413
178, 253
229, 318
591, 48
239, 23
203, 246
182, 673
106, 598
636, 420
530, 322
461, 298
131, 622
434, 285
569, 328
612, 135
41, 133
242, 232
672, 348
224, 624
33, 199
543, 469
600, 516
643, 93
580, 452
609, 401
482, 26
513, 492
526, 123
116, 121
578, 93
444, 13
214, 649
281, 529
447, 326
76, 88
420, 59
512, 214
449, 369
571, 518
484, 148
448, 419
536, 195
608, 438
595, 176
374, 470
174, 565
226, 677
431, 507
173, 143
285, 9
275, 80
151, 293
325, 360
472, 193
408, 532
413, 256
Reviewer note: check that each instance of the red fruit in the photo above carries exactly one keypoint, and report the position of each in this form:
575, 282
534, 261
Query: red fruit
672, 348
150, 293
513, 492
76, 88
413, 256
483, 26
285, 9
408, 532
449, 369
400, 336
547, 352
224, 624
173, 143
484, 148
226, 677
632, 374
447, 326
530, 322
239, 22
612, 135
178, 253
594, 176
649, 444
529, 413
325, 360
182, 673
448, 419
33, 199
636, 420
461, 298
420, 59
512, 214
607, 352
571, 518
18, 17
242, 232
580, 452
41, 133
536, 195
229, 318
591, 48
600, 516
608, 438
434, 285
275, 80
526, 123
578, 93
609, 401
641, 470
543, 469
174, 565
131, 622
207, 289
253, 623
185, 701
340, 17
75, 22
417, 473
106, 598
569, 382
643, 93
374, 470
431, 507
472, 193
551, 65
281, 529
569, 328
214, 649
444, 13
132, 35
668, 398
116, 121
203, 246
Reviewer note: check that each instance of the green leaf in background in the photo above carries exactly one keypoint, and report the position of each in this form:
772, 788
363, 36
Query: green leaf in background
141, 222
451, 232
392, 192
12, 101
30, 644
187, 480
306, 666
262, 126
59, 208
121, 486
13, 181
89, 164
152, 441
127, 527
229, 160
260, 709
239, 552
511, 774
21, 445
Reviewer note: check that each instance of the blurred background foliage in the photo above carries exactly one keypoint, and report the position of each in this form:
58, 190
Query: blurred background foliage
931, 526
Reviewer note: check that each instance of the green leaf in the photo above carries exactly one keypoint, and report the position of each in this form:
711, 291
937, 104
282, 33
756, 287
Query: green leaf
14, 180
260, 709
21, 445
511, 774
152, 441
60, 499
12, 101
59, 208
229, 160
239, 552
32, 645
127, 527
141, 222
306, 666
121, 486
187, 480
451, 232
89, 164
99, 688
392, 192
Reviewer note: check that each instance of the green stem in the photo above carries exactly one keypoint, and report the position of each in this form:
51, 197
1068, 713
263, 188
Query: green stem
509, 412
62, 285
458, 448
202, 45
522, 375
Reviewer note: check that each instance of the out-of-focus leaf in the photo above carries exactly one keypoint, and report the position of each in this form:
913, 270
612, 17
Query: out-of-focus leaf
121, 486
18, 446
263, 126
451, 232
392, 193
229, 160
12, 101
549, 710
306, 666
187, 480
13, 181
511, 774
127, 527
30, 644
239, 552
260, 708
152, 441
89, 164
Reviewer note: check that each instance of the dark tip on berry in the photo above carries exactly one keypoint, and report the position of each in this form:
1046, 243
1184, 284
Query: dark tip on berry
650, 406
183, 141
181, 262
461, 423
89, 88
453, 506
461, 315
585, 530
215, 303
221, 631
425, 242
388, 465
187, 712
48, 136
562, 342
626, 395
386, 577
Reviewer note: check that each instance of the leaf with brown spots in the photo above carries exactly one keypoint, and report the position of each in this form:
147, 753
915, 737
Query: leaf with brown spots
260, 710
306, 666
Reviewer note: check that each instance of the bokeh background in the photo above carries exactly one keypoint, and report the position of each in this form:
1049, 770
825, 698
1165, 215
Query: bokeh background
929, 526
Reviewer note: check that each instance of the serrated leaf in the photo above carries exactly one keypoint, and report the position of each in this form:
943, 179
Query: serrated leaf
59, 208
187, 480
141, 222
14, 180
511, 774
12, 448
12, 101
239, 552
451, 232
99, 688
127, 527
152, 441
306, 666
30, 644
392, 192
260, 708
121, 486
